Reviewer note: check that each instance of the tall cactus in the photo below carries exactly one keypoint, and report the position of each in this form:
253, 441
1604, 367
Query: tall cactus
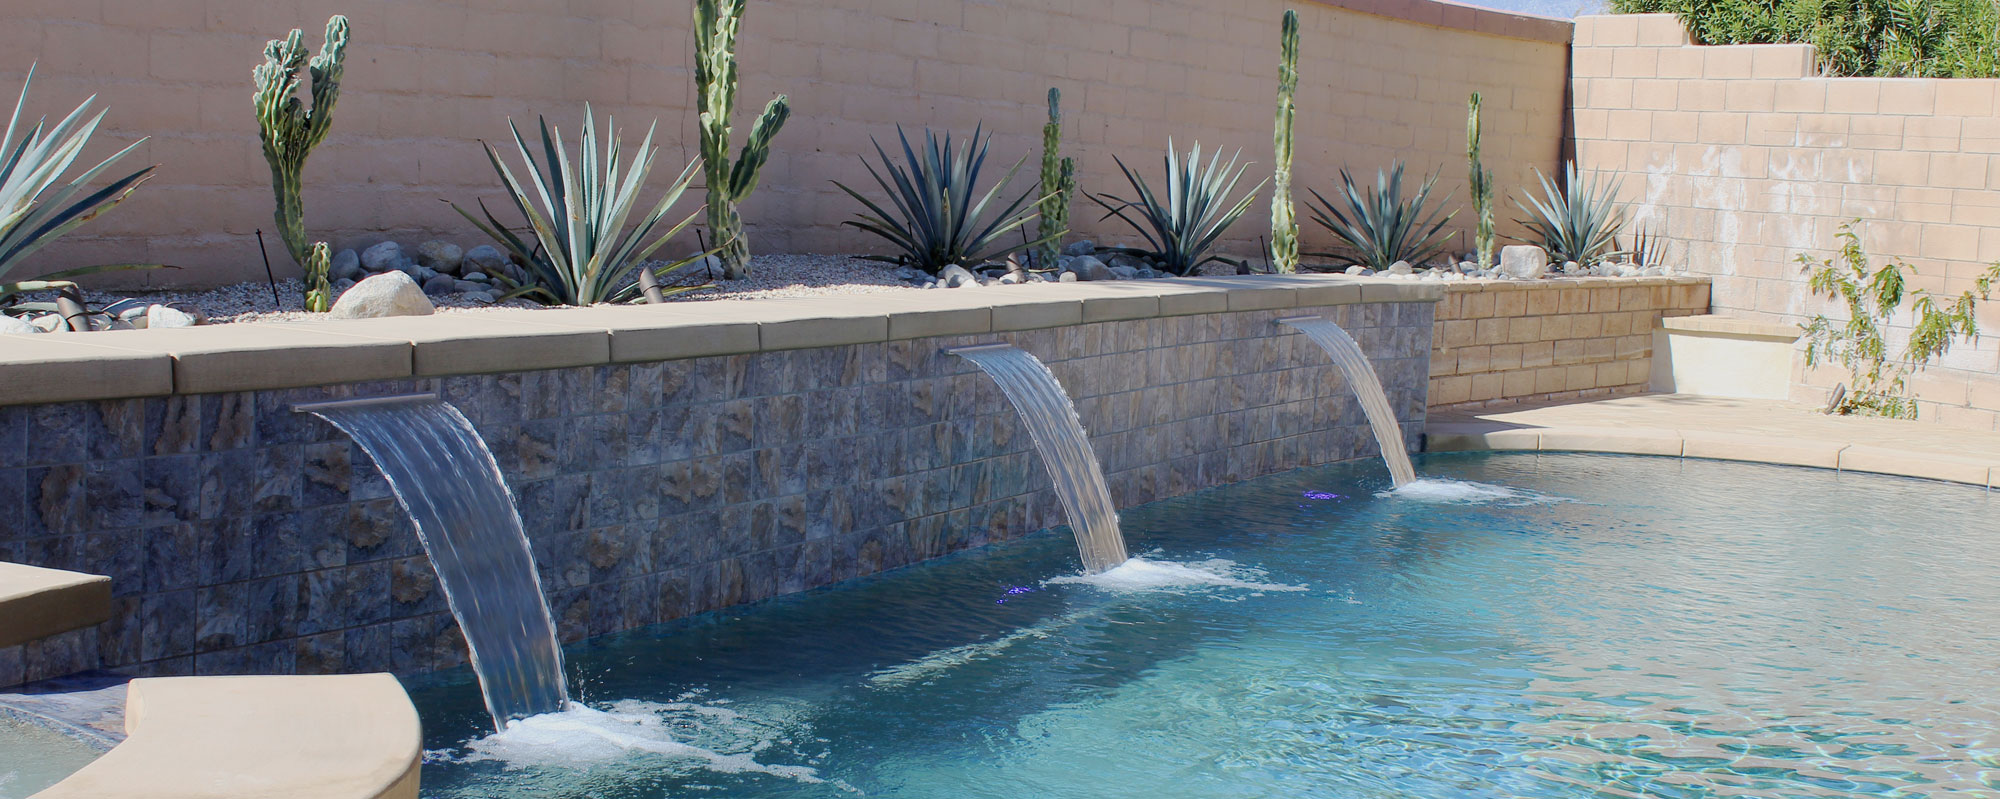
1284, 225
290, 132
715, 26
1058, 185
1482, 187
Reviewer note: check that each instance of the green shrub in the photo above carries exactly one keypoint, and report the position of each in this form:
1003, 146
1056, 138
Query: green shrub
1180, 231
1858, 38
1873, 298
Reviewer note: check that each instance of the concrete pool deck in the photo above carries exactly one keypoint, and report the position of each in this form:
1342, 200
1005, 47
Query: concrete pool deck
1764, 431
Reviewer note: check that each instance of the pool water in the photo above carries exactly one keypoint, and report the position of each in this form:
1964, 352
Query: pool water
1580, 626
34, 756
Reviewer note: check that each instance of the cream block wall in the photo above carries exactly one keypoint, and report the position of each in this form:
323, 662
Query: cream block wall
427, 79
1743, 157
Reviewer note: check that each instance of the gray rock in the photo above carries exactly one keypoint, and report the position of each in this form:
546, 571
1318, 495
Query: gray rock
478, 277
48, 323
346, 265
383, 257
911, 275
954, 276
486, 296
1150, 273
1125, 272
1524, 261
1067, 277
161, 316
1468, 267
1358, 270
1011, 278
440, 284
1083, 247
1127, 259
1089, 268
387, 294
484, 258
1628, 270
424, 274
342, 284
1400, 268
1654, 271
443, 256
15, 324
467, 286
408, 267
1571, 268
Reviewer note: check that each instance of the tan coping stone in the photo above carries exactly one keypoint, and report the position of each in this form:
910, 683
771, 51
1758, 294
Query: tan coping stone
1726, 326
1449, 437
1910, 463
36, 603
1621, 440
57, 367
1103, 301
1252, 292
1402, 291
1727, 446
791, 323
923, 317
462, 344
254, 356
349, 736
655, 332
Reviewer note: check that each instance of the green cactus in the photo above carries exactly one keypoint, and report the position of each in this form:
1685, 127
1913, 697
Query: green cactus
1284, 224
1482, 187
715, 26
1058, 185
289, 133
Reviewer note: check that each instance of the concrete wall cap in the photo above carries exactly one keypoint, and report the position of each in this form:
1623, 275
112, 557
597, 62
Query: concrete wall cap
36, 603
1726, 326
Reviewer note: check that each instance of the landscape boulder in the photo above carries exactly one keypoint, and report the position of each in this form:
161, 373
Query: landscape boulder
383, 257
388, 294
1524, 261
443, 256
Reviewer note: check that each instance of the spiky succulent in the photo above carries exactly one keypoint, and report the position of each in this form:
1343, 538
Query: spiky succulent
1181, 230
1378, 226
1577, 221
937, 222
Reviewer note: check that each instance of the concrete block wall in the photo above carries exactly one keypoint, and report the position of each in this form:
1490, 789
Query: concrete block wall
428, 79
242, 537
1504, 342
1743, 157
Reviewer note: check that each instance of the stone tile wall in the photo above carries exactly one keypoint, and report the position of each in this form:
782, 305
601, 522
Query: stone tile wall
1499, 342
242, 537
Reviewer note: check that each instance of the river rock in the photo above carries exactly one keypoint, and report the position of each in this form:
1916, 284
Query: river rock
1089, 268
443, 256
437, 285
15, 324
346, 264
1524, 261
1401, 268
1011, 278
1358, 270
1067, 277
1123, 272
383, 257
387, 294
954, 276
1083, 247
484, 258
161, 316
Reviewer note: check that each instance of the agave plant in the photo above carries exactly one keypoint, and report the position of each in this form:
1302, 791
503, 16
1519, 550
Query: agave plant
34, 210
937, 222
1379, 227
581, 253
1180, 231
1578, 221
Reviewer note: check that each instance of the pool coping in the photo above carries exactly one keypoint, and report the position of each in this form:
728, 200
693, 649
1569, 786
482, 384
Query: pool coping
69, 367
1483, 436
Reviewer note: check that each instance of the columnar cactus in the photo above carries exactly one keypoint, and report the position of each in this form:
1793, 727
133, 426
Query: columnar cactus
1482, 187
715, 26
1058, 185
1284, 225
290, 132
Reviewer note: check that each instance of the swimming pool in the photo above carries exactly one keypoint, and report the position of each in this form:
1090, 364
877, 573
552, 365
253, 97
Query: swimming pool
1600, 626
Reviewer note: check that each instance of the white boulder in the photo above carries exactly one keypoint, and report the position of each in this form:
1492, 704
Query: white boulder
388, 294
1524, 261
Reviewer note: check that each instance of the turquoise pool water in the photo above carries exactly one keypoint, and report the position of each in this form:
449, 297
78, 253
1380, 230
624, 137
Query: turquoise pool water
1607, 627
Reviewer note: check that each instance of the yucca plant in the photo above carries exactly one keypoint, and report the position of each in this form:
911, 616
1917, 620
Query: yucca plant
581, 253
937, 222
1378, 226
34, 209
1180, 231
1578, 221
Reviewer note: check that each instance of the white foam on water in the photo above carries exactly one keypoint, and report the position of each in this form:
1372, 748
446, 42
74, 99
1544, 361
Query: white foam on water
947, 659
1139, 574
580, 737
1444, 490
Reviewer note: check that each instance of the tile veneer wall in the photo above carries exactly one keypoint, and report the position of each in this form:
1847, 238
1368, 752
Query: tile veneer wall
1499, 342
242, 537
1742, 158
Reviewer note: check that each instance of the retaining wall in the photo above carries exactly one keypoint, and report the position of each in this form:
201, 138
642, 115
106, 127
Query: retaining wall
1743, 158
428, 79
1507, 341
667, 460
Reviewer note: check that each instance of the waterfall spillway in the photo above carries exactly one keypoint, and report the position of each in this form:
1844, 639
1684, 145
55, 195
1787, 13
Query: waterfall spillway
1353, 363
1058, 435
448, 482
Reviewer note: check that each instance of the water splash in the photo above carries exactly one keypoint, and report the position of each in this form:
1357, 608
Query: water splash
1346, 354
446, 479
1058, 435
645, 738
1462, 492
1140, 574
